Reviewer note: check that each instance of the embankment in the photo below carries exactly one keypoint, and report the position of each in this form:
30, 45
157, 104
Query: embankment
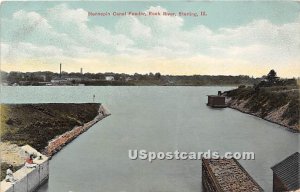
37, 124
57, 143
43, 126
275, 104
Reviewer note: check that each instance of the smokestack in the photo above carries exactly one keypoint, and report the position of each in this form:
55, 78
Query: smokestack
60, 70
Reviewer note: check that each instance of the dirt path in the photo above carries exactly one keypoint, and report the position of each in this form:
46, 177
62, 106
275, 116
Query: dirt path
12, 154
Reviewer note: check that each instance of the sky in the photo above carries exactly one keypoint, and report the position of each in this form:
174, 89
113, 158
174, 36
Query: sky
235, 38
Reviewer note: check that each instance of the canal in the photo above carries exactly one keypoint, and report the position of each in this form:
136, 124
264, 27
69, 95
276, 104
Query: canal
155, 119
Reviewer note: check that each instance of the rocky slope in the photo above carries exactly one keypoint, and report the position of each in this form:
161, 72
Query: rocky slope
276, 104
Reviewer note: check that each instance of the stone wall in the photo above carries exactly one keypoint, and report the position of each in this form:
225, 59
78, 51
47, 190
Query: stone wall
29, 179
57, 143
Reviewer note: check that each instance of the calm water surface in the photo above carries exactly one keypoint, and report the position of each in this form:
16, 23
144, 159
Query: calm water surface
154, 119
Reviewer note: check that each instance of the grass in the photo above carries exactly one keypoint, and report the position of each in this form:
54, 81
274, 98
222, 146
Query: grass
4, 167
36, 124
266, 99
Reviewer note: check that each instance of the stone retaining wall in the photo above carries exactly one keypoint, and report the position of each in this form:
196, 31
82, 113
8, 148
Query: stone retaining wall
57, 143
28, 179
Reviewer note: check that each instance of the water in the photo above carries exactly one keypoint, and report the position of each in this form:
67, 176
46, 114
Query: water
154, 119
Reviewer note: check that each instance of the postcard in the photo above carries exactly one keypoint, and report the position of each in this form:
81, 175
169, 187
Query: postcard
150, 96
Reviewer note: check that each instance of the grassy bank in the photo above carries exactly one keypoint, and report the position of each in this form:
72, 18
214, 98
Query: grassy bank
36, 124
279, 104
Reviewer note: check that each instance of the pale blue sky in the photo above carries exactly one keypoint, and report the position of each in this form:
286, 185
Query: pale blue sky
221, 14
246, 36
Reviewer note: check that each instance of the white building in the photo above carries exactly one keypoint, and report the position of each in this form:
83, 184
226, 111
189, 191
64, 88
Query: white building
109, 78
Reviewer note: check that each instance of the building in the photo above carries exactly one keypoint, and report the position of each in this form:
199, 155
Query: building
286, 175
43, 77
217, 101
73, 78
60, 81
222, 175
128, 79
109, 78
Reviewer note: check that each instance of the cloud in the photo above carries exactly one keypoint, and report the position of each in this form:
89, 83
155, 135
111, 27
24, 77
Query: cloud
163, 25
65, 33
61, 27
257, 40
134, 28
67, 16
74, 22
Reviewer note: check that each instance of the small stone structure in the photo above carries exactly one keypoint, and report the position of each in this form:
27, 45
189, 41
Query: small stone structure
28, 179
222, 175
216, 101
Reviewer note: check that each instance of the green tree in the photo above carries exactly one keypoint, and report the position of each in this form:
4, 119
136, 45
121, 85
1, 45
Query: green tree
157, 75
272, 76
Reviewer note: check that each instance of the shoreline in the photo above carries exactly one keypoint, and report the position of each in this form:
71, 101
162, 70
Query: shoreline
239, 106
58, 143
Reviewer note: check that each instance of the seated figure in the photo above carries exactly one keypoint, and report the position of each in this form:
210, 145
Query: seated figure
29, 162
9, 175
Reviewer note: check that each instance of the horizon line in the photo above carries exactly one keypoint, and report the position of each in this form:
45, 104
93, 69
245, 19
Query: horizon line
147, 73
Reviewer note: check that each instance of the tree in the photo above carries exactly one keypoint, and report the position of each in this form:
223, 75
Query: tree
272, 77
157, 75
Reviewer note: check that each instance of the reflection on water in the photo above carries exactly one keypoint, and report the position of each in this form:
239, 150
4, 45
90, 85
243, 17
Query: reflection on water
154, 119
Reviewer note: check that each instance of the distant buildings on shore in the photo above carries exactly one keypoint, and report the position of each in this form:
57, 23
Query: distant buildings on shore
109, 78
47, 78
55, 79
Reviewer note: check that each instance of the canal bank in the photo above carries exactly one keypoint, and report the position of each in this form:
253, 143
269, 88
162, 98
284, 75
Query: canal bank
275, 116
30, 179
60, 141
36, 124
275, 103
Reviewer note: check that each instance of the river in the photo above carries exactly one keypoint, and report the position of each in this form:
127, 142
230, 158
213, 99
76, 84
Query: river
154, 119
